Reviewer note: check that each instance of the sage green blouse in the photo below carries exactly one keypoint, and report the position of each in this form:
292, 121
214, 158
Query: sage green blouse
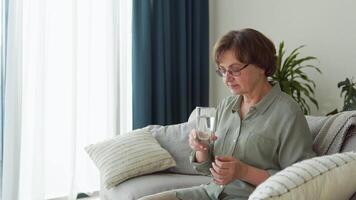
273, 136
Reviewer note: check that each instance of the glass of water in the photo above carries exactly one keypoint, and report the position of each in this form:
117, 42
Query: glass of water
205, 125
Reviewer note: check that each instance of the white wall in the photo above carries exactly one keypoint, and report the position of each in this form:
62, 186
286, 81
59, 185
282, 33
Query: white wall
326, 27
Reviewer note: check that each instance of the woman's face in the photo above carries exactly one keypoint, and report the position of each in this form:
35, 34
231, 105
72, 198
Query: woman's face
248, 78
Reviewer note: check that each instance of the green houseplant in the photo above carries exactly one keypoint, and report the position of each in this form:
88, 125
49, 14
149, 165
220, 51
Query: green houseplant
292, 78
348, 89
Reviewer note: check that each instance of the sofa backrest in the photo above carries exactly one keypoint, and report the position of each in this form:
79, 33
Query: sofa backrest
333, 134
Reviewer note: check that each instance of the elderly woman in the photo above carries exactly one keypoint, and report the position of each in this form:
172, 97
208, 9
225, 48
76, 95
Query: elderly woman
260, 130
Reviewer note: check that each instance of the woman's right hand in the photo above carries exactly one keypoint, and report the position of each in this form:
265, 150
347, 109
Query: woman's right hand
198, 145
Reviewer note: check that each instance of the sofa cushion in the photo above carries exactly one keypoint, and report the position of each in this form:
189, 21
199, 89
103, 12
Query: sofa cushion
151, 184
127, 156
326, 177
174, 138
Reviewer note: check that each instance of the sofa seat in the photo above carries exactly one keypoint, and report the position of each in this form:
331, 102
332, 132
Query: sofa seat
138, 187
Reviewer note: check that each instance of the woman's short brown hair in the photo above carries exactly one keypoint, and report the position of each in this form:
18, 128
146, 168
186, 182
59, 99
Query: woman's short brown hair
250, 46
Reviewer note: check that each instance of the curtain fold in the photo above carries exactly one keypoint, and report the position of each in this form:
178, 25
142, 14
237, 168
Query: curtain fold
12, 102
170, 60
3, 47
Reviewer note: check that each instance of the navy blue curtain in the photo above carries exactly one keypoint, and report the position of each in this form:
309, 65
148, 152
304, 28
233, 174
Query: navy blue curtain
4, 24
170, 60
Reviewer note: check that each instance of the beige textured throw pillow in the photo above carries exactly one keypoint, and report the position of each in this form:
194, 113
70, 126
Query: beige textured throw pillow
128, 156
327, 177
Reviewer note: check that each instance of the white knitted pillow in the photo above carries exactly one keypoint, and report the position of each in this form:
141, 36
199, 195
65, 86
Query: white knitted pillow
326, 177
128, 156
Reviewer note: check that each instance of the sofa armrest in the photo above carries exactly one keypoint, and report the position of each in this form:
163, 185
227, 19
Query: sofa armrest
349, 144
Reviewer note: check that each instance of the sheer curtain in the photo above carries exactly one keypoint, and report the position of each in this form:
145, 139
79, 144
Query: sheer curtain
75, 90
12, 102
3, 34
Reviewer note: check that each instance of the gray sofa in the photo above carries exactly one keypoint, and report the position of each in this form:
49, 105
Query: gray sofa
174, 139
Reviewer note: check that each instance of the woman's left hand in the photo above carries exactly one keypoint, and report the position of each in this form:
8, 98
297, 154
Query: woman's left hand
226, 169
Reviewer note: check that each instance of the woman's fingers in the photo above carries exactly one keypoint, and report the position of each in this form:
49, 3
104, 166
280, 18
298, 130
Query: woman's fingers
223, 169
194, 143
220, 182
198, 146
221, 173
219, 170
217, 178
213, 137
215, 174
225, 161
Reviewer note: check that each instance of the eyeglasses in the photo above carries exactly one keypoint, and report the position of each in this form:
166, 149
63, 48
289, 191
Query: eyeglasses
234, 70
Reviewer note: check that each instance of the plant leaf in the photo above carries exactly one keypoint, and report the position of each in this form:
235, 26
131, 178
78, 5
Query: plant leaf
292, 78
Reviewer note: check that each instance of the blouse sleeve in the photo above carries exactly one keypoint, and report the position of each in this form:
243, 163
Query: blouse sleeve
203, 167
295, 142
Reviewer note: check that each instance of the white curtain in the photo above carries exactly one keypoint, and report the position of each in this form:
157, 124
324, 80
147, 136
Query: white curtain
12, 104
75, 83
